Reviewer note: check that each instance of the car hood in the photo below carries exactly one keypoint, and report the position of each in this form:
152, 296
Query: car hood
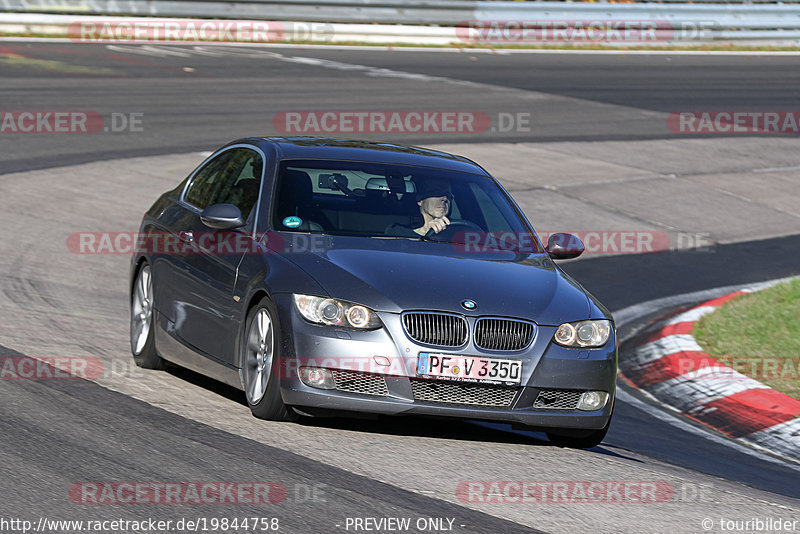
395, 275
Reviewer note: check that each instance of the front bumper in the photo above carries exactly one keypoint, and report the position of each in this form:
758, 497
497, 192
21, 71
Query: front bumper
390, 356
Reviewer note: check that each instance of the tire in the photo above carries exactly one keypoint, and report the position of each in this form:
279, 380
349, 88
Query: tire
258, 359
143, 345
579, 440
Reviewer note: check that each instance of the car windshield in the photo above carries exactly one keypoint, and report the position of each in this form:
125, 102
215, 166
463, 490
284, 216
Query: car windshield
383, 200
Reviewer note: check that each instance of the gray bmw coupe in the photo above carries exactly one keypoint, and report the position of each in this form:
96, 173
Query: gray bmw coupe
325, 276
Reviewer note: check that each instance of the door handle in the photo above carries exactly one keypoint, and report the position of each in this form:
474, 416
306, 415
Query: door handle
186, 236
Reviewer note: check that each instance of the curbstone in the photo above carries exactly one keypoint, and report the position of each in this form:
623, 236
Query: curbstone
667, 362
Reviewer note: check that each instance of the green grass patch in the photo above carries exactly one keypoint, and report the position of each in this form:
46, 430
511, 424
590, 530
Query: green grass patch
758, 334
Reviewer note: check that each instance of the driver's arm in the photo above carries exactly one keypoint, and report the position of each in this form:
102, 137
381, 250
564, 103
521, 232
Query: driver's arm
437, 225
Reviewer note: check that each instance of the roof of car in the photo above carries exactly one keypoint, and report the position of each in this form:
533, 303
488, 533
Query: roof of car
359, 150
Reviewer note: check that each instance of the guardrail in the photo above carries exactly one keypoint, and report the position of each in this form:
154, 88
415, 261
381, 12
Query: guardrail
440, 12
446, 21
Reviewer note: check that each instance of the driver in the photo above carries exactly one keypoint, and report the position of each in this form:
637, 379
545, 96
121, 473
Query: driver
433, 200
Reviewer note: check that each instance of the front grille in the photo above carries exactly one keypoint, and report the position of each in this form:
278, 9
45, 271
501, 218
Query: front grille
362, 383
503, 334
558, 399
461, 393
436, 328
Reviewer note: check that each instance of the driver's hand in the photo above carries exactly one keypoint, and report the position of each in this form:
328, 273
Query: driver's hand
437, 225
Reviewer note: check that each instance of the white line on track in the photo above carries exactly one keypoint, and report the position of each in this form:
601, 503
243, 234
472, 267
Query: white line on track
367, 70
778, 169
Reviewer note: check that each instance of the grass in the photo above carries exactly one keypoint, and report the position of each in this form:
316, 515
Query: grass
758, 334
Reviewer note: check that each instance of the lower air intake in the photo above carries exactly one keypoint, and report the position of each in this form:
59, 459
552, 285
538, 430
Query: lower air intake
558, 399
461, 393
361, 383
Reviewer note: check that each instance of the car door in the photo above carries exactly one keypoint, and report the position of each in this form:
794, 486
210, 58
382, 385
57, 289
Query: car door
206, 268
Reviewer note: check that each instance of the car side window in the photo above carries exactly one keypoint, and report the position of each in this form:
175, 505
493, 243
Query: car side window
234, 177
243, 182
206, 181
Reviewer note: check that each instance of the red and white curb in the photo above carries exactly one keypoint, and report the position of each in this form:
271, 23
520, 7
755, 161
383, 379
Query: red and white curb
666, 362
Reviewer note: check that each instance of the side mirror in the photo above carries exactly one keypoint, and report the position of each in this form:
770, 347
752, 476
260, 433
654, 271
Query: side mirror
222, 217
564, 246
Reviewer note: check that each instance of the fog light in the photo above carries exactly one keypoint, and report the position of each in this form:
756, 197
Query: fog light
592, 400
316, 377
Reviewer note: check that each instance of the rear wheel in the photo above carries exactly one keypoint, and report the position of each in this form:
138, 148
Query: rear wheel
143, 345
258, 359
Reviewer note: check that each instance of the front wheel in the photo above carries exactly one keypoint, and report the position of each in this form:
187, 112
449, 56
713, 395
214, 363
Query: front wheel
143, 345
258, 357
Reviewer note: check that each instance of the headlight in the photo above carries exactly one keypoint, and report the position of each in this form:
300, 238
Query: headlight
583, 333
334, 312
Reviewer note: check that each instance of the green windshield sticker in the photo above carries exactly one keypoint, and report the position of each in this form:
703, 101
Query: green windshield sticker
292, 222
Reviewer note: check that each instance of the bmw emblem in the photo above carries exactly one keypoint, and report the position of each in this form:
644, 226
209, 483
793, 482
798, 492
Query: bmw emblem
468, 304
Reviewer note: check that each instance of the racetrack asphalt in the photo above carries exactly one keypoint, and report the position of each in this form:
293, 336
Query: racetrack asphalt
54, 302
194, 96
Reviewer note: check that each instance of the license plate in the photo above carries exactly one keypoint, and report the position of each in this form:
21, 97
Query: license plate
469, 368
